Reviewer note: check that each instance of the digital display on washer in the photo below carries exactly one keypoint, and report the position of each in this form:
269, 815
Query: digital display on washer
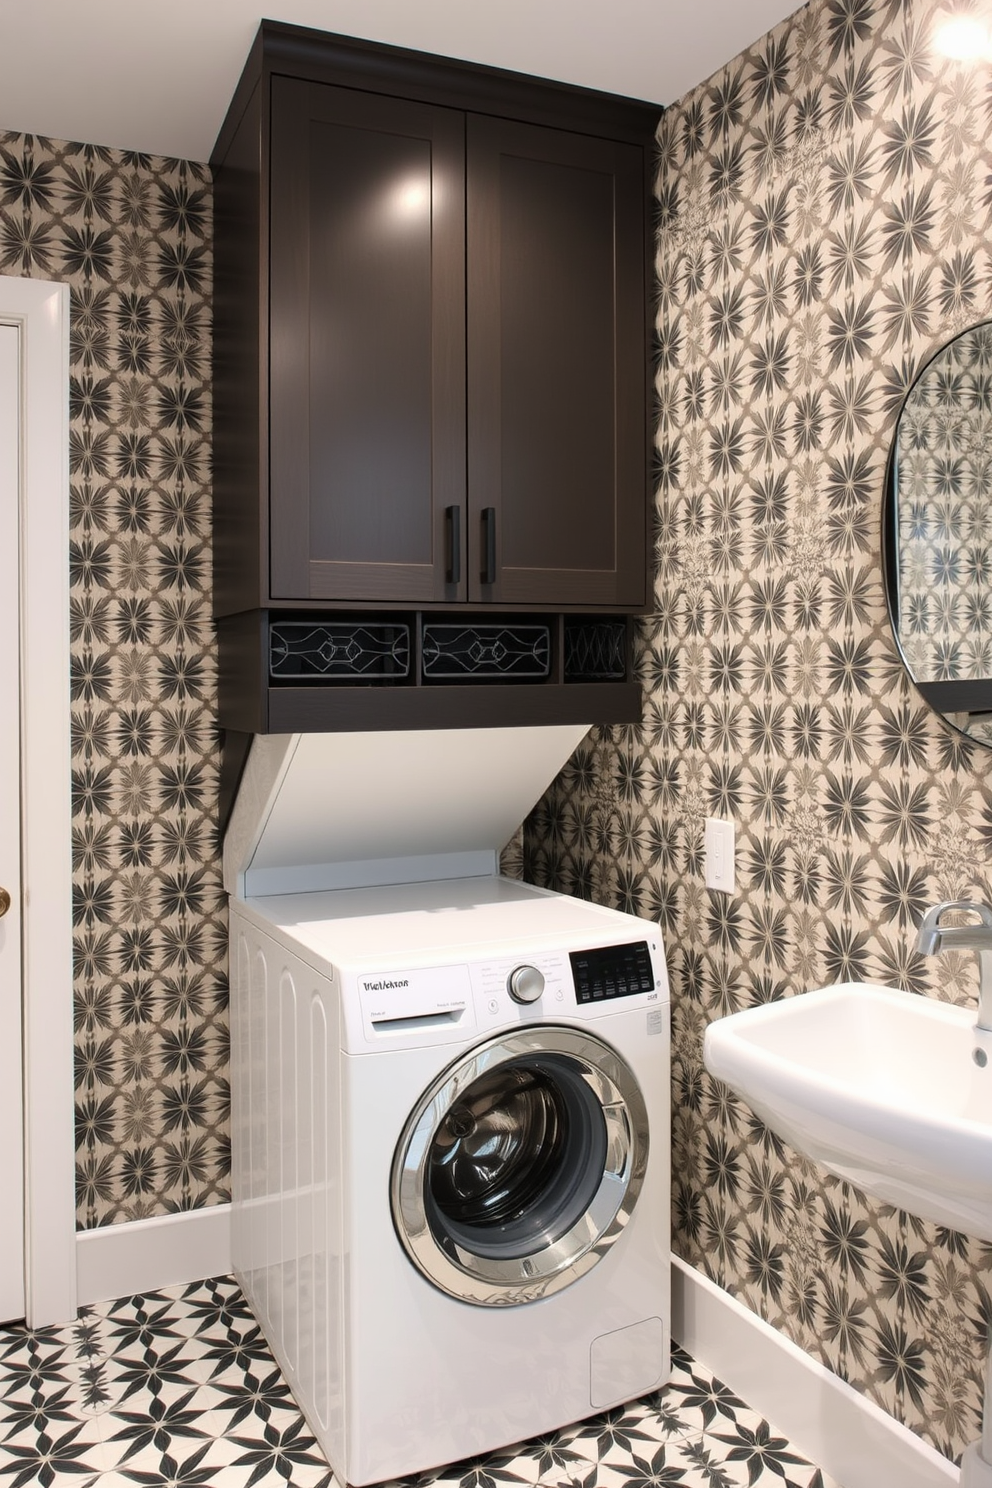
612, 971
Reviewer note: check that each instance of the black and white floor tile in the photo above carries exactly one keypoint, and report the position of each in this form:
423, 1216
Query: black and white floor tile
177, 1389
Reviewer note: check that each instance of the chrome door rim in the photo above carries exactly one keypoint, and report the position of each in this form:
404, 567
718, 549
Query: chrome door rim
489, 1281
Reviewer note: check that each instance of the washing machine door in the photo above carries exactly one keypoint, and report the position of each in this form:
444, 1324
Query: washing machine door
520, 1166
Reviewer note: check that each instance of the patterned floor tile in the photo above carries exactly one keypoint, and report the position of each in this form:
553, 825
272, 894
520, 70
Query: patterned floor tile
201, 1474
617, 1434
753, 1460
646, 1463
54, 1453
178, 1389
703, 1403
548, 1459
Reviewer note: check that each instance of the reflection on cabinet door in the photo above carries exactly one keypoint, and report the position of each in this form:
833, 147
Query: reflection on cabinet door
557, 366
367, 369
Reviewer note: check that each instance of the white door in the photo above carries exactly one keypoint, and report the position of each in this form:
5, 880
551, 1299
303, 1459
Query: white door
11, 1101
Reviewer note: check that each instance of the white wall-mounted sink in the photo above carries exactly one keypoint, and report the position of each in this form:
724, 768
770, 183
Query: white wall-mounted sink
890, 1090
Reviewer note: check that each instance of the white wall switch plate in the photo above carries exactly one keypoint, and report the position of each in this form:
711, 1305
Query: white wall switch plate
718, 841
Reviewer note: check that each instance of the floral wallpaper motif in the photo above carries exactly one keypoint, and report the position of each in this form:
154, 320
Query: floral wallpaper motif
824, 207
944, 481
824, 225
131, 235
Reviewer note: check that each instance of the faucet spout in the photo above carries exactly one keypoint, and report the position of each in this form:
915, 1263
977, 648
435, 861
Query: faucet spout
934, 936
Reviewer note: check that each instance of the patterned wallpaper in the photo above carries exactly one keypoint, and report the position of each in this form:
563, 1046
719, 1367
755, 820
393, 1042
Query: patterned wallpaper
825, 224
130, 234
944, 483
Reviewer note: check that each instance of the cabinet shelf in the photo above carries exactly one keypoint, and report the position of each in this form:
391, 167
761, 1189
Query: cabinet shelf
366, 672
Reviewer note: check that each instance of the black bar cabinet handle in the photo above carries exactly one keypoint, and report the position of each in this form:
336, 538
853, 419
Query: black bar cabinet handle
489, 545
454, 522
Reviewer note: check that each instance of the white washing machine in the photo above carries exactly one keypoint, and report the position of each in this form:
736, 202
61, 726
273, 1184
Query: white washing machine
451, 1155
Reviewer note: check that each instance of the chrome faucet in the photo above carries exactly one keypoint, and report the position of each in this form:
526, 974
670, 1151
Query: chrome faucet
934, 937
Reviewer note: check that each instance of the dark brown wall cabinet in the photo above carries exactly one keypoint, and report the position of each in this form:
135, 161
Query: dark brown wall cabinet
431, 337
367, 344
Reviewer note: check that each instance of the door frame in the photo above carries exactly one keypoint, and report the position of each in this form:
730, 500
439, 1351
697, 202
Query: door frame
40, 310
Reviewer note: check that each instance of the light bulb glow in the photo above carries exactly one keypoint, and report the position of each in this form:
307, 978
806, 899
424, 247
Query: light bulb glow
964, 39
411, 199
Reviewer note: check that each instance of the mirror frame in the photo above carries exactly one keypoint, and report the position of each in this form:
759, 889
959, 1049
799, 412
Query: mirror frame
946, 698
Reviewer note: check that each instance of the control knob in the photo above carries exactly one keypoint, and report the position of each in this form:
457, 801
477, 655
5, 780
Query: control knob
525, 984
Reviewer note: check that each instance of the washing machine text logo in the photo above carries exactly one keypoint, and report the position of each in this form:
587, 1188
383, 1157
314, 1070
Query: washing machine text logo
385, 985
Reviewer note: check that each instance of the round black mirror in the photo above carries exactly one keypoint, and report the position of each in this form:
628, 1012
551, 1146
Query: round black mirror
937, 532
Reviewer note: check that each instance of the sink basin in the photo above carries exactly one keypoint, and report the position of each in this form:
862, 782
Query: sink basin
887, 1089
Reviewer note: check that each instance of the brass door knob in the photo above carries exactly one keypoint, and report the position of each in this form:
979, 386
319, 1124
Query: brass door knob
4, 902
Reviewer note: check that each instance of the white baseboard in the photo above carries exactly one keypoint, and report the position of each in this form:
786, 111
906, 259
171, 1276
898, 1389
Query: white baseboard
123, 1259
843, 1432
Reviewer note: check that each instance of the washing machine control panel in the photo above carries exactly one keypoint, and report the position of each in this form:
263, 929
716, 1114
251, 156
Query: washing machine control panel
612, 971
594, 980
442, 1004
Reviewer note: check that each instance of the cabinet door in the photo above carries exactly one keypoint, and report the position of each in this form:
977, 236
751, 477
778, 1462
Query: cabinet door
557, 367
367, 332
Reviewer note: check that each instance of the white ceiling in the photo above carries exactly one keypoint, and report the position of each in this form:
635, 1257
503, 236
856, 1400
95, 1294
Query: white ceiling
156, 75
